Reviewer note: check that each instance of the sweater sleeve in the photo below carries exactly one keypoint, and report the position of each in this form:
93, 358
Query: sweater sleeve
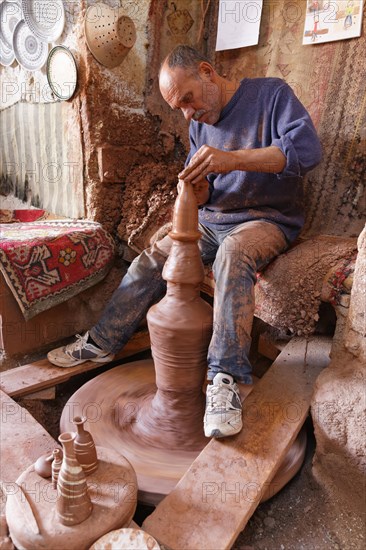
294, 133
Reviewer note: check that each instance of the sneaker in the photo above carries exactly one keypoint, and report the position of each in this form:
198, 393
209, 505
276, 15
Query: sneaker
78, 352
223, 414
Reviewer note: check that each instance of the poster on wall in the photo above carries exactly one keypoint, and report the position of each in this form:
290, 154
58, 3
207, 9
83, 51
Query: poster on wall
329, 20
238, 23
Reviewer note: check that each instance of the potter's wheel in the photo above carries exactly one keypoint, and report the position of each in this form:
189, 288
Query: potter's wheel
111, 403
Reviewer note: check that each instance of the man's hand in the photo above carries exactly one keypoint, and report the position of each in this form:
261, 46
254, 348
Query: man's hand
200, 189
206, 160
210, 160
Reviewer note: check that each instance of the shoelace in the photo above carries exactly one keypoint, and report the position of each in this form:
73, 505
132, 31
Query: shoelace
218, 399
78, 344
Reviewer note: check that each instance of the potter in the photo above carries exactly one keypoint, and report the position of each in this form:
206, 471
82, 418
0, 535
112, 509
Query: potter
251, 144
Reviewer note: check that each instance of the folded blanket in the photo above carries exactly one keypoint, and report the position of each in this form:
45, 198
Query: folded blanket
46, 262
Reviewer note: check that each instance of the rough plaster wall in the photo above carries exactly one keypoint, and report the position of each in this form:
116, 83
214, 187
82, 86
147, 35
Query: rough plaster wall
150, 188
111, 111
339, 402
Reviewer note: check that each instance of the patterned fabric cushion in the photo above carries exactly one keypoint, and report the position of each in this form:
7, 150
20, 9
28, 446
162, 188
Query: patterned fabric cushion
46, 262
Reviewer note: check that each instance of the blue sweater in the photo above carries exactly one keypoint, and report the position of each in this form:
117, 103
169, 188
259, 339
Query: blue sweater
262, 112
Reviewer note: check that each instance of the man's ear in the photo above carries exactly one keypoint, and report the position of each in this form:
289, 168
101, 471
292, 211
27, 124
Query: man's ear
206, 70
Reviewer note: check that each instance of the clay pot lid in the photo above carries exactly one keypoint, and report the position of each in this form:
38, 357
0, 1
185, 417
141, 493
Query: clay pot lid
109, 34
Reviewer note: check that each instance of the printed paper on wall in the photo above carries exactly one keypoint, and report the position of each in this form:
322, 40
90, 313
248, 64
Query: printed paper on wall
238, 23
329, 20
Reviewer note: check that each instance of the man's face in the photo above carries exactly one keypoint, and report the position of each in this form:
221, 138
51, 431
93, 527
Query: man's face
197, 96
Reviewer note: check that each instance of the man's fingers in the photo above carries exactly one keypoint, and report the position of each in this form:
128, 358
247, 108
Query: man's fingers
198, 159
186, 172
197, 173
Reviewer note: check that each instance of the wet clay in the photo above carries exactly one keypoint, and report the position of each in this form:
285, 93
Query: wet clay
157, 417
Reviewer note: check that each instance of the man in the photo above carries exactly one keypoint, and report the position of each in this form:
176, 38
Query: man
251, 144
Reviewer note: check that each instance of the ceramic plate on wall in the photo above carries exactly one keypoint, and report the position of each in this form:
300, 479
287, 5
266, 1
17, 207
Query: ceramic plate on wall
62, 72
30, 52
45, 18
6, 54
10, 15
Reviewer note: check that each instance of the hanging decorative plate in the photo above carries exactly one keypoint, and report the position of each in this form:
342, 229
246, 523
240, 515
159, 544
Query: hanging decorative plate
6, 54
10, 15
30, 52
62, 72
45, 18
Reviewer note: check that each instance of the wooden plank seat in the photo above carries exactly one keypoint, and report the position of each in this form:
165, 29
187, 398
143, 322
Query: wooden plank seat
38, 376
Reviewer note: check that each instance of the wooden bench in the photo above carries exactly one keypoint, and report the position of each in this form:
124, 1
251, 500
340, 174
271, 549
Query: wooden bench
40, 376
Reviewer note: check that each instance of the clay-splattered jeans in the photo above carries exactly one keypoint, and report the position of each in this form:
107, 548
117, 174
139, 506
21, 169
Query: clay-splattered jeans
237, 254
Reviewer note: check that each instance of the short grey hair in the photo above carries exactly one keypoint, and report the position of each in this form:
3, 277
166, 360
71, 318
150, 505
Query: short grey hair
185, 57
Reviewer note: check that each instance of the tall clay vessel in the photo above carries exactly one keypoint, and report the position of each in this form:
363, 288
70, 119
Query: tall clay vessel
180, 327
73, 502
84, 447
56, 466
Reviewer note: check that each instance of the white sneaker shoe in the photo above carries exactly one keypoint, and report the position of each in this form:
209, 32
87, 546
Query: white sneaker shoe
223, 414
78, 352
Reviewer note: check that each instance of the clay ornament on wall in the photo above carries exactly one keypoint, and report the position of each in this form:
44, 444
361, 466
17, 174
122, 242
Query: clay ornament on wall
109, 34
45, 19
179, 21
30, 52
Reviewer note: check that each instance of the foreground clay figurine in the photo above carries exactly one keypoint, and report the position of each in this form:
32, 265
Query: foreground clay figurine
84, 447
73, 502
39, 519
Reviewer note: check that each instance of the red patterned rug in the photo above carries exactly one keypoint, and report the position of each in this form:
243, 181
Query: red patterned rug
47, 262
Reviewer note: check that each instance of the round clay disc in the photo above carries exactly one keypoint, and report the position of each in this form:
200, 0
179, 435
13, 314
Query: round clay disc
126, 539
31, 506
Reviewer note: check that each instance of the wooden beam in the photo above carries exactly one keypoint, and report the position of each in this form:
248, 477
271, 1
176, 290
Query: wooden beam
44, 395
40, 375
214, 500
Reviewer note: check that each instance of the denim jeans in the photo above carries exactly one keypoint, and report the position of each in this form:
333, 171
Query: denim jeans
236, 254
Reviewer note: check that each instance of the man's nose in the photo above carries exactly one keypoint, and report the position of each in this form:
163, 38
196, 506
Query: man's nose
188, 112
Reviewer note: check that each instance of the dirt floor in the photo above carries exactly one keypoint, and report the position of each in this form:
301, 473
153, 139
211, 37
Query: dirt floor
301, 517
